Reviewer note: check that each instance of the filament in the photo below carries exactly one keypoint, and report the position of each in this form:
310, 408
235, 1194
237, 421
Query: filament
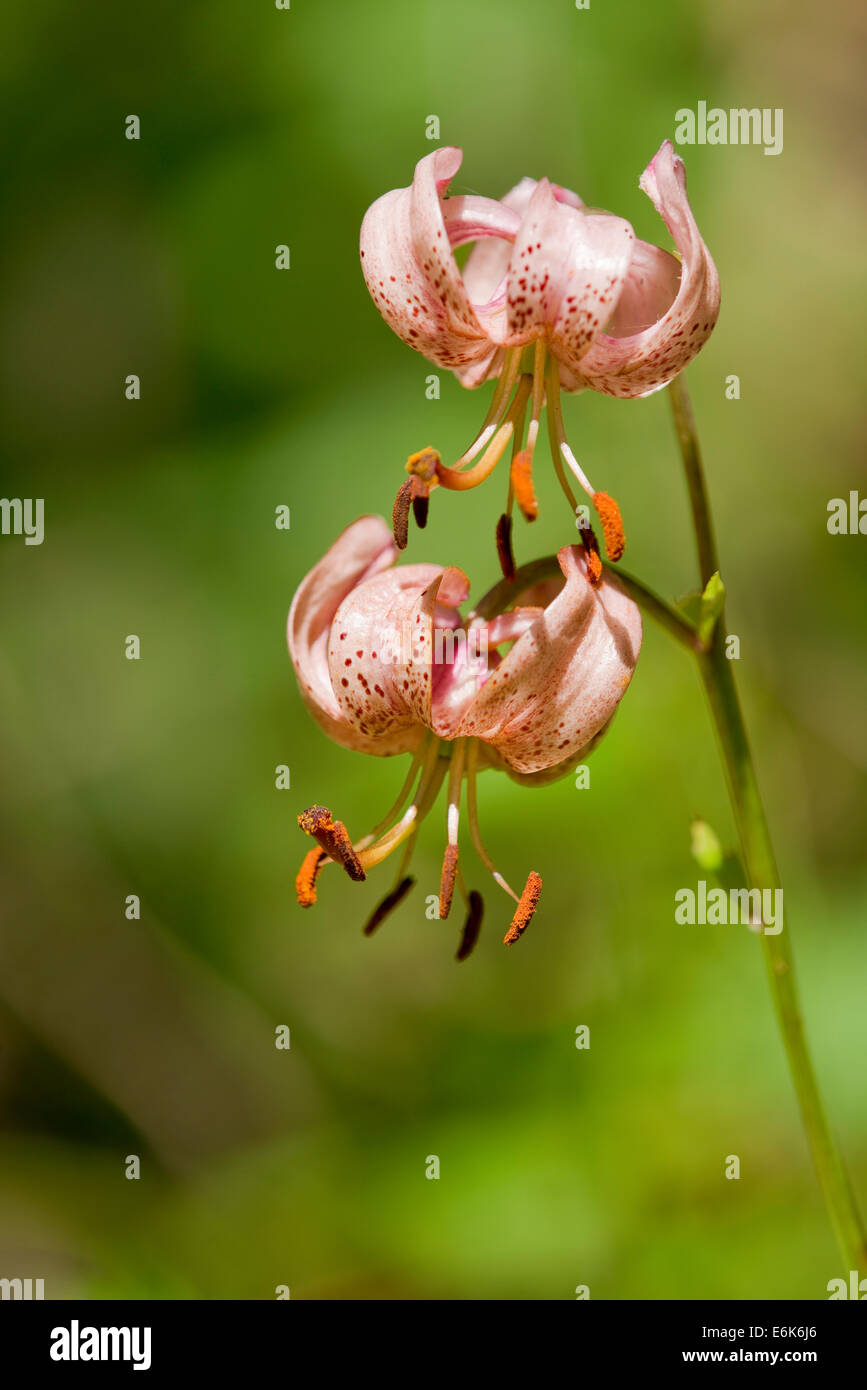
473, 817
417, 760
431, 779
502, 391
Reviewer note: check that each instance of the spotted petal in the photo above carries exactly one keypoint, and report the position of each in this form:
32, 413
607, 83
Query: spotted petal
565, 276
561, 682
364, 549
649, 357
406, 254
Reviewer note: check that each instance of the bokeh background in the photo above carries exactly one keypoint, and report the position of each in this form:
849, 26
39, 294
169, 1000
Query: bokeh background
262, 387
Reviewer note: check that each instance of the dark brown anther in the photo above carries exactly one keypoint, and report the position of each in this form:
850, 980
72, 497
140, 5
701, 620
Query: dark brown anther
400, 514
387, 906
522, 484
420, 501
447, 880
472, 926
305, 883
525, 909
333, 837
504, 547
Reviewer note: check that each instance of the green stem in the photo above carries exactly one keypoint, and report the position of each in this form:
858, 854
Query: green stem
760, 863
687, 438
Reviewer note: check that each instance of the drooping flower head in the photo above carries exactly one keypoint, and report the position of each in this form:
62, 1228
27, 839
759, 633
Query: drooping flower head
527, 682
552, 295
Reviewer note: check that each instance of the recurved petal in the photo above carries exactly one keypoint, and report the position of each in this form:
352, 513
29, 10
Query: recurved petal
364, 549
566, 274
650, 357
399, 656
648, 292
379, 653
562, 681
411, 273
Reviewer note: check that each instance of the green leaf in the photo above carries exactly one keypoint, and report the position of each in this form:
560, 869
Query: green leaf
712, 601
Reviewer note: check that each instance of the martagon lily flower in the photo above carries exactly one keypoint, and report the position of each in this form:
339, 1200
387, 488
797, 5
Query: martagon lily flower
553, 295
527, 683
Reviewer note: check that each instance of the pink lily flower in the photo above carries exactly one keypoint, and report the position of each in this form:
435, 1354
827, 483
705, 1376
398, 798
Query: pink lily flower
604, 309
387, 664
620, 315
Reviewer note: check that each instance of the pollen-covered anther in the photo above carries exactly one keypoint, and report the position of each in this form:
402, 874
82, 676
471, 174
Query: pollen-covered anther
522, 484
387, 906
612, 524
424, 465
400, 514
504, 547
414, 493
594, 567
305, 882
472, 926
525, 909
447, 880
591, 553
333, 837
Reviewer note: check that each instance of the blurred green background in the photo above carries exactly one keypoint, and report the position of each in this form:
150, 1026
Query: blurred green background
306, 1167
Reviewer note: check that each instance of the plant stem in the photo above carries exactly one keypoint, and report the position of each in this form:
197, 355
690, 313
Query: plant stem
687, 438
760, 862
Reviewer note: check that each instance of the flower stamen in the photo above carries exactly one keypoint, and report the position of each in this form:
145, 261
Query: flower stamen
612, 524
433, 771
305, 882
522, 484
502, 392
606, 507
505, 553
526, 909
447, 881
418, 759
332, 836
472, 925
387, 906
457, 481
413, 493
450, 860
521, 478
473, 815
591, 554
